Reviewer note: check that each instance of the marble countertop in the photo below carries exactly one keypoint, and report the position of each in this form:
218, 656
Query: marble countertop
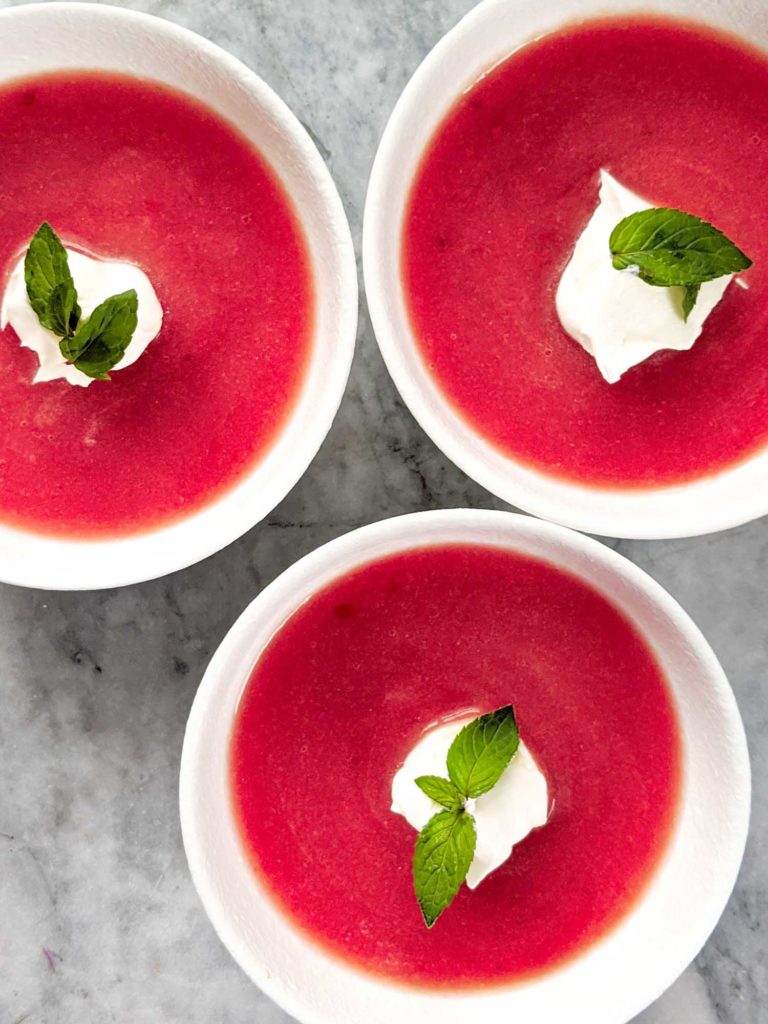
98, 918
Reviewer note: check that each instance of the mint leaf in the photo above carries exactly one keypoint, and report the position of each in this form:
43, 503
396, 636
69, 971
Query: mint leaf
482, 750
50, 288
441, 791
444, 851
95, 346
101, 341
690, 296
446, 845
64, 312
669, 247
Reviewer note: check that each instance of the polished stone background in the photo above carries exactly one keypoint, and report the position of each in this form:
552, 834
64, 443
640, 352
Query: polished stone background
98, 918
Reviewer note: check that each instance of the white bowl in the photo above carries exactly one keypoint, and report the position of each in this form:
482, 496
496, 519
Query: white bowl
615, 978
51, 37
487, 35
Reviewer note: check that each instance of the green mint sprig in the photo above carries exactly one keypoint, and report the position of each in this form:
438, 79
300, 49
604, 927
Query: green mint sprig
94, 346
672, 249
476, 760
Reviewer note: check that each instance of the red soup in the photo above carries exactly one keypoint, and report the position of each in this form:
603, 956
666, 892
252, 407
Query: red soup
679, 115
133, 171
349, 683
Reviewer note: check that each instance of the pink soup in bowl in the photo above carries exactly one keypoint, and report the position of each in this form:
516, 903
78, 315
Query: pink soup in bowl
144, 144
347, 661
487, 176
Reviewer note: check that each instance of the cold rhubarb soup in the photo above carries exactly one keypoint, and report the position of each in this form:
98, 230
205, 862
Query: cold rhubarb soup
157, 305
584, 368
362, 691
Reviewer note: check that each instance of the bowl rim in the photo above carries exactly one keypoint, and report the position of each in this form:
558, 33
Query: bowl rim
703, 505
211, 712
53, 562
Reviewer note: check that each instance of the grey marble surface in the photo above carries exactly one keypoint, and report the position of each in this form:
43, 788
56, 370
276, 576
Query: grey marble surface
98, 918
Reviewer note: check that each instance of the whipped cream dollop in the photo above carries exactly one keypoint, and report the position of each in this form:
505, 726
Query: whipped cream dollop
95, 280
518, 803
619, 319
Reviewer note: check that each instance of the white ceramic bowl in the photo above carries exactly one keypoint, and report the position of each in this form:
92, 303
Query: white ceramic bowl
487, 35
57, 36
614, 979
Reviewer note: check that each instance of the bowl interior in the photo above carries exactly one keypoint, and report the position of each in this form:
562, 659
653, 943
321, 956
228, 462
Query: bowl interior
486, 36
614, 979
53, 37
